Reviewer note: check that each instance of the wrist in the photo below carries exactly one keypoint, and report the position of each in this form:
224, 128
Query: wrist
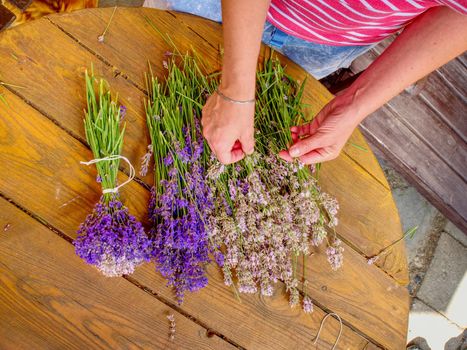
355, 98
238, 86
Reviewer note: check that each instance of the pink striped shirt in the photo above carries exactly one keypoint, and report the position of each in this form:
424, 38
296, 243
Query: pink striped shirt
349, 22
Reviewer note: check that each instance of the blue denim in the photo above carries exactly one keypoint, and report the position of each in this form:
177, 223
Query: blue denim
317, 59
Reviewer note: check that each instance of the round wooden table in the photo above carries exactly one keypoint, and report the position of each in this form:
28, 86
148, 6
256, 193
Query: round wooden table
50, 299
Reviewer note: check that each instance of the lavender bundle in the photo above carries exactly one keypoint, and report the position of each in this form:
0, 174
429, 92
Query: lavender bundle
181, 201
268, 212
256, 216
110, 238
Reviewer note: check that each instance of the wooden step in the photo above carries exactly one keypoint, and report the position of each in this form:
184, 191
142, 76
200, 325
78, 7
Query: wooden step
6, 17
423, 135
21, 4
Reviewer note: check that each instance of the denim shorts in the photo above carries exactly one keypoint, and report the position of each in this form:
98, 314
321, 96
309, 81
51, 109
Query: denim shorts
317, 59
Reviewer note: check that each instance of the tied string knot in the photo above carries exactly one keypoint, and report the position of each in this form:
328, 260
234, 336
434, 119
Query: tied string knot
131, 176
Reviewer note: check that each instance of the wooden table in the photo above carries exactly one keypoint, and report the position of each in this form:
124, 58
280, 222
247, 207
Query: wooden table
50, 299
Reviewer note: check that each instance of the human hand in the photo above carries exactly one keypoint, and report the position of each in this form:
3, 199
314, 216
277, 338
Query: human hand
323, 138
228, 128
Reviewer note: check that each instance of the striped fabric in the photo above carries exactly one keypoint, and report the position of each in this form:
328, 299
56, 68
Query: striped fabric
349, 22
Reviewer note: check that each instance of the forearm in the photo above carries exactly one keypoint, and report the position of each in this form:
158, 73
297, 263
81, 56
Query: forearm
430, 41
243, 23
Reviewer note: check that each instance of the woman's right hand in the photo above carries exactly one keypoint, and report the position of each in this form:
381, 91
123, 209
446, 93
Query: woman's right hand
228, 128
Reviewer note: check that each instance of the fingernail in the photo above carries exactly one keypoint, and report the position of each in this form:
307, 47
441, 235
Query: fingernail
294, 152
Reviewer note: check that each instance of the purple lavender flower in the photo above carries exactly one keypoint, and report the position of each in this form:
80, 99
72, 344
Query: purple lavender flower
168, 160
112, 239
178, 213
122, 112
219, 258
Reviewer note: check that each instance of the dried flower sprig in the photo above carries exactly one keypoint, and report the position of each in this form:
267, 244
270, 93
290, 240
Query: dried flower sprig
101, 38
335, 254
262, 224
172, 327
307, 302
110, 237
145, 160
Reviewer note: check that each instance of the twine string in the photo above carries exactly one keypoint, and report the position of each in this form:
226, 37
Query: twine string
321, 327
131, 176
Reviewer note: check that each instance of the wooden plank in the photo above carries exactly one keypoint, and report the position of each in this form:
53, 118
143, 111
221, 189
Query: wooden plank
316, 96
445, 89
64, 192
122, 50
50, 300
450, 105
426, 125
463, 59
420, 162
456, 74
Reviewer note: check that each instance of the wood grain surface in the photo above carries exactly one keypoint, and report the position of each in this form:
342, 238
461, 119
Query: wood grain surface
68, 192
41, 144
50, 300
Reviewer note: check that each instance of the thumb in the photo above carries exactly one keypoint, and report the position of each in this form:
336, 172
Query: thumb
248, 142
306, 145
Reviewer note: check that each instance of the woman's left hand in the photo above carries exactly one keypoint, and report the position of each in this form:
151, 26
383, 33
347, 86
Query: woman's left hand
323, 138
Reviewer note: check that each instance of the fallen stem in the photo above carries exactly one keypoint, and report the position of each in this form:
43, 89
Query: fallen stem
410, 232
102, 36
12, 85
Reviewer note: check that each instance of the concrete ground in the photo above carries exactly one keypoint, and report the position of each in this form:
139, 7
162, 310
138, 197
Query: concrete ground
437, 257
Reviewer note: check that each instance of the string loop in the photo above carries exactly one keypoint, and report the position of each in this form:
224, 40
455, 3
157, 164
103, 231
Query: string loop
110, 158
321, 327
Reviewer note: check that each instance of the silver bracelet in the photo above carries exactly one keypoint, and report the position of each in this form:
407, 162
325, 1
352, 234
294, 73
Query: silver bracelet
232, 100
